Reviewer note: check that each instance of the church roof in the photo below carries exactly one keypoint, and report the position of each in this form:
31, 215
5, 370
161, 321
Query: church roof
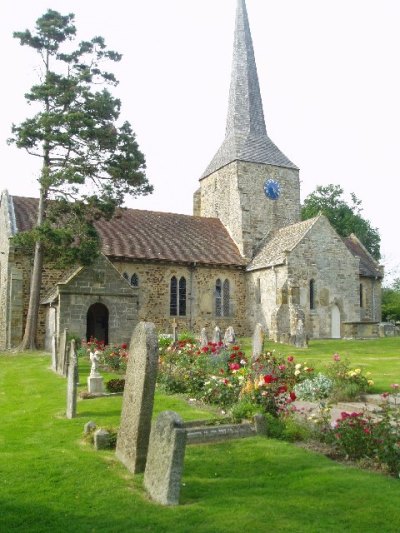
246, 137
369, 267
273, 251
134, 234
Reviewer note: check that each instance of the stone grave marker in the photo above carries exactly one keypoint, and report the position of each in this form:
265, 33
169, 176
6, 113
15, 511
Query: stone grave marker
203, 338
71, 383
229, 337
62, 359
138, 399
54, 353
165, 460
174, 331
95, 380
258, 342
300, 339
217, 338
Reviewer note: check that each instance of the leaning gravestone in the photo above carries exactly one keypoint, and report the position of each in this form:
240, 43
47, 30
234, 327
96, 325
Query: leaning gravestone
217, 335
72, 384
165, 460
138, 399
301, 338
258, 342
229, 337
54, 353
62, 359
203, 338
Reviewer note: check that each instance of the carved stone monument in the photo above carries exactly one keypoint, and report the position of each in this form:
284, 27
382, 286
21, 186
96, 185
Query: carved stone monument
165, 460
203, 338
138, 399
217, 338
95, 380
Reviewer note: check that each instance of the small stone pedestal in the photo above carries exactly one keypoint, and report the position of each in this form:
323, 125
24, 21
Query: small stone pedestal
95, 384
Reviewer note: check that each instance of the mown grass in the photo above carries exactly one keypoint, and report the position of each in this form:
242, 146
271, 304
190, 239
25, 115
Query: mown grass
380, 357
51, 480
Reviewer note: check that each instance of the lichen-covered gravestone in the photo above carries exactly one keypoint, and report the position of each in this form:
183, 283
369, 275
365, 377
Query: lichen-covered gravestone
165, 460
203, 338
138, 399
217, 338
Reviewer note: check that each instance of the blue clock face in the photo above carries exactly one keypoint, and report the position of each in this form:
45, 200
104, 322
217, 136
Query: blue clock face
272, 189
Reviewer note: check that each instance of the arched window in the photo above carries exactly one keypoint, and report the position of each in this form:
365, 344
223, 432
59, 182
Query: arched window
135, 280
361, 295
177, 302
222, 298
218, 298
182, 296
312, 294
226, 295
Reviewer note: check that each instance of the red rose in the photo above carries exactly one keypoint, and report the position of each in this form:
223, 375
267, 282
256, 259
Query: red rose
268, 378
292, 396
234, 366
290, 358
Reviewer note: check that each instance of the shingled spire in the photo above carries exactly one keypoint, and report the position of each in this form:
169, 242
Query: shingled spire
246, 137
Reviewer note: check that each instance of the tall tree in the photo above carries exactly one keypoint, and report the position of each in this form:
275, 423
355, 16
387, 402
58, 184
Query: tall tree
89, 163
345, 218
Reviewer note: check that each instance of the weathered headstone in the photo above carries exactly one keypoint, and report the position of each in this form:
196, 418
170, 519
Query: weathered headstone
95, 380
300, 339
62, 359
174, 331
217, 338
138, 399
165, 460
229, 337
89, 427
258, 342
71, 384
203, 338
101, 439
54, 353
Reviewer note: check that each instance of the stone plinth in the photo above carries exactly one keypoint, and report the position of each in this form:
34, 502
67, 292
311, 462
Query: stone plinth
95, 384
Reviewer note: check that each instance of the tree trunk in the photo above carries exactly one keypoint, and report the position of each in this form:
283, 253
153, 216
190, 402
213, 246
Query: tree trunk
29, 339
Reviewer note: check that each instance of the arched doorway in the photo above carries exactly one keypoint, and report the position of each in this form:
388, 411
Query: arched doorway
97, 322
335, 322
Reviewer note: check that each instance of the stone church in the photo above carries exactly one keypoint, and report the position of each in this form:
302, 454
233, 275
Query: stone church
243, 258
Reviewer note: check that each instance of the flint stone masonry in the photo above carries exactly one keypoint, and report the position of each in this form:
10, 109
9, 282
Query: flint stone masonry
165, 460
138, 398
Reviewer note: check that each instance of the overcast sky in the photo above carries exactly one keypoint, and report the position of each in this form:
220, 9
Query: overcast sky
329, 76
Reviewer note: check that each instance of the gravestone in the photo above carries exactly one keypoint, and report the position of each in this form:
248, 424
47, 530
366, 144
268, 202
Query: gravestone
217, 338
138, 399
258, 342
62, 359
89, 427
101, 439
54, 353
229, 337
71, 384
174, 331
165, 460
95, 380
203, 338
300, 339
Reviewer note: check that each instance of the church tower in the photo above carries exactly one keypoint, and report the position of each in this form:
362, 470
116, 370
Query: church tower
250, 185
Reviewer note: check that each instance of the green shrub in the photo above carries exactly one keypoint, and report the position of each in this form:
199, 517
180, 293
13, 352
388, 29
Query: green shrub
115, 385
243, 410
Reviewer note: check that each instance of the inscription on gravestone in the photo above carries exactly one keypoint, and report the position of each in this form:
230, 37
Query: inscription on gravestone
138, 399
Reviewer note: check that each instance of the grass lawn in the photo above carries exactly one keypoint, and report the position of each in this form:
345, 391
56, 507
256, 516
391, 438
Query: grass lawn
52, 481
381, 357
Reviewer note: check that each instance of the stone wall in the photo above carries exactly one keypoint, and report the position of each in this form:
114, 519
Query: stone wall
154, 296
371, 299
235, 195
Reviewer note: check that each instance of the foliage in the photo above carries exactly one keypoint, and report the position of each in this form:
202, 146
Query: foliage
348, 383
113, 357
115, 385
314, 389
345, 218
391, 302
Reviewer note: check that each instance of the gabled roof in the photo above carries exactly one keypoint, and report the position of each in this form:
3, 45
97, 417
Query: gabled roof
134, 234
273, 251
246, 137
369, 267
